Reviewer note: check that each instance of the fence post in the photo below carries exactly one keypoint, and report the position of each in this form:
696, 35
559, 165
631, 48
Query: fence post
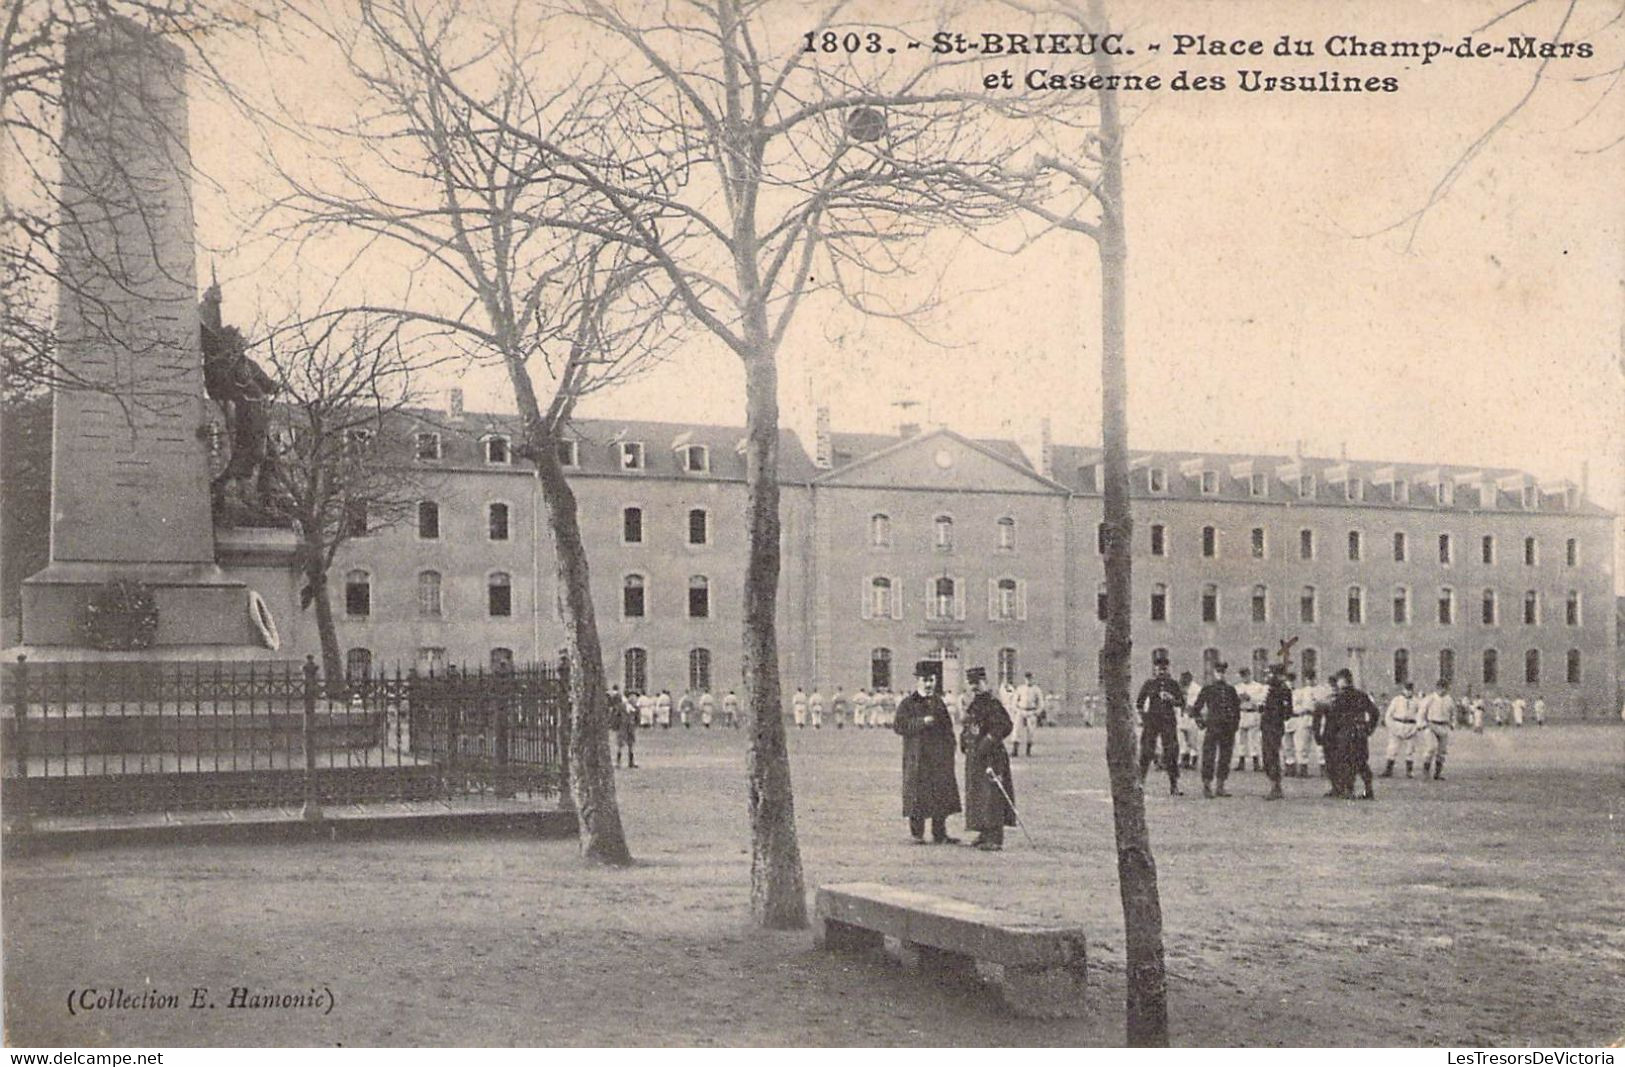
313, 809
566, 798
19, 746
505, 703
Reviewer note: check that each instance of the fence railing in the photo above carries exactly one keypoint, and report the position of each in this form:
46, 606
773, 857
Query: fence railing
125, 737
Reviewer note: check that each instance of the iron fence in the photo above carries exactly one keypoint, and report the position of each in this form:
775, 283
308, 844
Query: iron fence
124, 738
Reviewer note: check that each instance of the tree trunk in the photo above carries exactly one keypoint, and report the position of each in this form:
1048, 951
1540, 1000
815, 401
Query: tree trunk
326, 631
1147, 993
778, 895
592, 770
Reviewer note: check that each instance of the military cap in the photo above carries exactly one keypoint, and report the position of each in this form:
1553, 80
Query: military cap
1221, 665
976, 674
1159, 660
926, 668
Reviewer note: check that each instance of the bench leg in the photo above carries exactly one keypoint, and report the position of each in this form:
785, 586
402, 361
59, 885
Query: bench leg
1055, 992
937, 962
844, 937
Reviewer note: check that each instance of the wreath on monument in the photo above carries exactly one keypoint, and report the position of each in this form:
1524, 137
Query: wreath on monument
122, 614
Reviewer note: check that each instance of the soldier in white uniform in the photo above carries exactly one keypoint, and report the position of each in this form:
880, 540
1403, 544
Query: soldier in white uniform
860, 708
646, 710
730, 709
1306, 754
1024, 709
798, 707
1249, 742
1517, 711
663, 709
1540, 711
1190, 734
1438, 715
708, 707
815, 708
1401, 722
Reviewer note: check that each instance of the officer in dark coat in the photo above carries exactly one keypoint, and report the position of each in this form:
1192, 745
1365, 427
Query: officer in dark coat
1218, 712
1345, 733
1159, 704
930, 790
1272, 725
987, 765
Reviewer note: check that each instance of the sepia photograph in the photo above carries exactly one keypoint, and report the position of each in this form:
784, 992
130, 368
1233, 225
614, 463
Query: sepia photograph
870, 523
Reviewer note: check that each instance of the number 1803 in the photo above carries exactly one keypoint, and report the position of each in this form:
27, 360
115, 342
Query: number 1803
830, 41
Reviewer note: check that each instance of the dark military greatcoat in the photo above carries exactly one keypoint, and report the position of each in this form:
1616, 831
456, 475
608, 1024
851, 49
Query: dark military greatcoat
930, 789
987, 724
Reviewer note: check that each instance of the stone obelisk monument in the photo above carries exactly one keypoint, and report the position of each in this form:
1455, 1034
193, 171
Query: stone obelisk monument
130, 462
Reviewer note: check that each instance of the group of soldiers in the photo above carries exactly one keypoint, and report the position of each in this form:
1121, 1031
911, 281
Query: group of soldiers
1264, 720
631, 711
930, 786
1030, 705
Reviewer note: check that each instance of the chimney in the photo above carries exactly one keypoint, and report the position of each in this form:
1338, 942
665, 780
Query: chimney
824, 452
1343, 451
1046, 450
908, 429
454, 403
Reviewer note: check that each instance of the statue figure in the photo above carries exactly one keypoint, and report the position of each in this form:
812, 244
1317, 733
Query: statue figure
244, 392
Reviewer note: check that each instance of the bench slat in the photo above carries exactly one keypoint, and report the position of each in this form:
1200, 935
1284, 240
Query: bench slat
993, 935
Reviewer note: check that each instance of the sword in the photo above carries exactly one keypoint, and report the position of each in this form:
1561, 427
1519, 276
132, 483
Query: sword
994, 778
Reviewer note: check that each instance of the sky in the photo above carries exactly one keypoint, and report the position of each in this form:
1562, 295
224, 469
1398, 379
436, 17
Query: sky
1275, 295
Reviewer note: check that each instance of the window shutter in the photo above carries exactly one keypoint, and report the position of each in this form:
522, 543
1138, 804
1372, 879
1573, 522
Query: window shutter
992, 599
959, 599
896, 598
1021, 599
866, 598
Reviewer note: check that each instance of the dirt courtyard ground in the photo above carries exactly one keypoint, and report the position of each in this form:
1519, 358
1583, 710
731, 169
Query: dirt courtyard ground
1483, 910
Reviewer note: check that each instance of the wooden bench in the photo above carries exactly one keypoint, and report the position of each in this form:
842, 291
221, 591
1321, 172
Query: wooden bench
1041, 964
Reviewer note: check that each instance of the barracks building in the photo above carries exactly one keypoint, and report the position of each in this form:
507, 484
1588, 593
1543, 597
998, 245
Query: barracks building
927, 543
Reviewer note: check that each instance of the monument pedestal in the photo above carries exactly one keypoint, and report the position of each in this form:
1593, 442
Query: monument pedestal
198, 603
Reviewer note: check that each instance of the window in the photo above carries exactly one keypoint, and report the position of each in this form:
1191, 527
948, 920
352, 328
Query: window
496, 522
1210, 483
1306, 485
696, 459
944, 599
1489, 609
428, 520
1261, 662
1354, 546
497, 450
429, 602
632, 526
1492, 667
944, 526
633, 590
1444, 493
427, 446
631, 455
1447, 607
879, 599
1261, 604
1100, 667
1158, 480
358, 594
1100, 539
1210, 603
1306, 605
880, 531
1401, 491
699, 669
699, 597
1531, 667
1210, 542
569, 455
355, 518
1487, 549
1007, 534
358, 663
1100, 602
880, 668
1258, 484
432, 660
1400, 547
1402, 666
1005, 599
1007, 666
1310, 661
1258, 544
1210, 659
1531, 608
1159, 603
699, 526
1447, 550
1354, 489
1531, 498
635, 671
1531, 552
1306, 544
1402, 605
1571, 552
1574, 666
499, 595
1159, 539
1571, 608
1356, 605
1447, 665
502, 661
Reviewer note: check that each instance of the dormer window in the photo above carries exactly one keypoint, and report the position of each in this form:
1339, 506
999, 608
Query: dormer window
1531, 498
1444, 493
696, 459
1306, 486
1210, 483
497, 451
1258, 484
632, 455
1354, 490
569, 455
1401, 491
1157, 479
427, 446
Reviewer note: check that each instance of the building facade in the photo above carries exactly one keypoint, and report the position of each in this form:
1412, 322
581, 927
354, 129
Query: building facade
934, 544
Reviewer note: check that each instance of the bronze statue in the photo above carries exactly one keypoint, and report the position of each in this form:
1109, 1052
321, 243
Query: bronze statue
244, 392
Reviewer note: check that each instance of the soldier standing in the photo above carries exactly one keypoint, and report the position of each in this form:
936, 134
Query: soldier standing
1517, 711
623, 719
685, 707
839, 708
860, 708
1540, 711
1160, 700
646, 710
1304, 699
730, 709
1252, 692
1400, 722
1190, 734
663, 709
1222, 706
708, 707
1029, 702
1272, 722
798, 708
930, 790
1438, 716
1345, 732
815, 709
987, 765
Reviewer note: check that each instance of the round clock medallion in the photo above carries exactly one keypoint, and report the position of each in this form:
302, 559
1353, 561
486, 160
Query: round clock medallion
945, 458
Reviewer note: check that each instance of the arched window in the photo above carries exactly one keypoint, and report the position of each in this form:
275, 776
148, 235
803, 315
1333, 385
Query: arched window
1492, 667
1258, 543
1531, 552
1571, 608
1486, 549
1159, 603
1261, 604
429, 603
1447, 606
1210, 603
1100, 602
496, 524
1307, 605
699, 597
944, 601
632, 526
1306, 544
1402, 605
499, 595
1447, 665
944, 525
1574, 666
699, 526
1007, 666
1210, 542
1531, 667
1006, 599
699, 669
1488, 608
880, 530
1356, 546
633, 593
358, 663
1356, 605
428, 520
1447, 549
880, 668
880, 598
502, 661
358, 594
635, 671
1401, 549
1531, 608
1571, 552
1007, 534
1309, 659
1402, 666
